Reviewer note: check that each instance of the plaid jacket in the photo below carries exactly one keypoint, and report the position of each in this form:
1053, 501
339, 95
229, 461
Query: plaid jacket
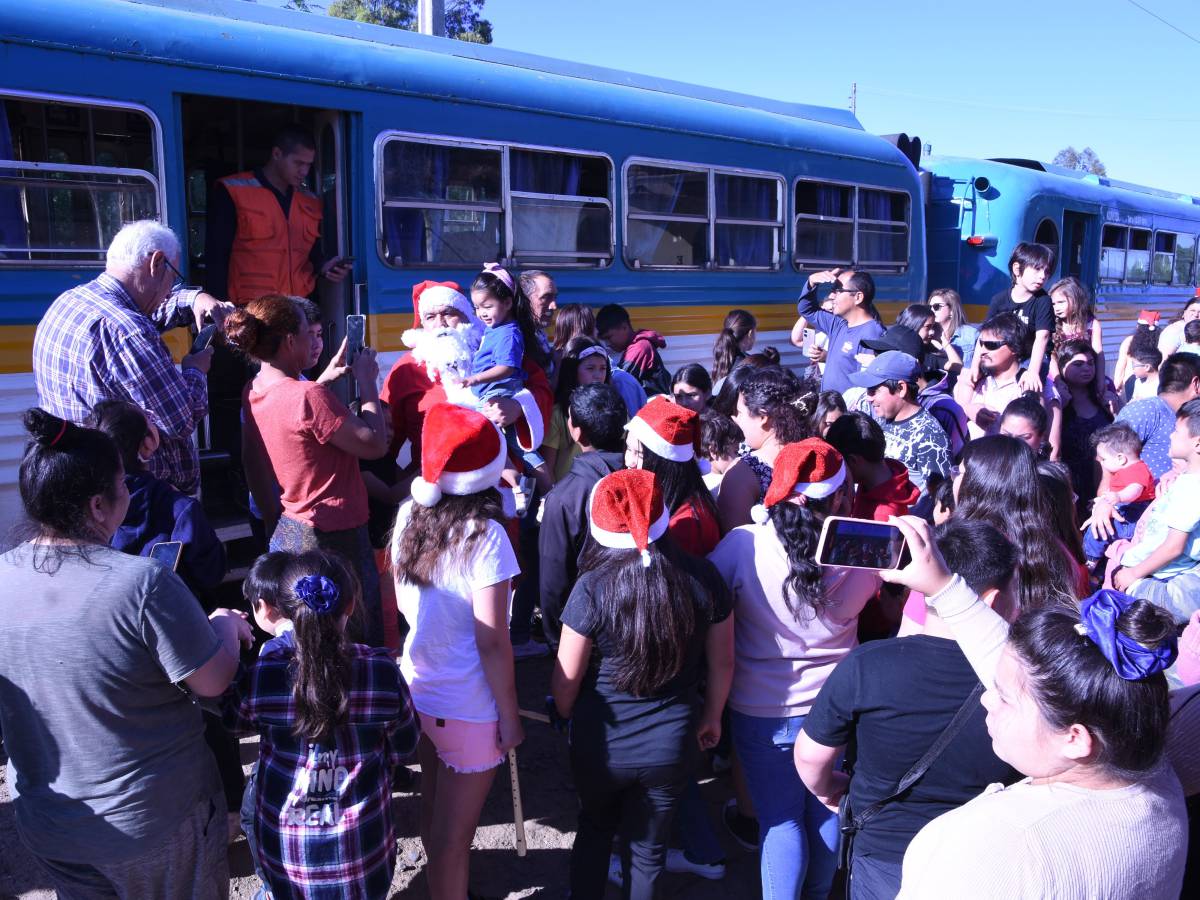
94, 344
323, 816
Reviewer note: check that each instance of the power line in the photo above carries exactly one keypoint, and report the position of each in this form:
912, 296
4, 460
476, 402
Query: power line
1155, 15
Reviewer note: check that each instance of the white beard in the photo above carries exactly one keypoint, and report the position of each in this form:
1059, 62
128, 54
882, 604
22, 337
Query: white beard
447, 354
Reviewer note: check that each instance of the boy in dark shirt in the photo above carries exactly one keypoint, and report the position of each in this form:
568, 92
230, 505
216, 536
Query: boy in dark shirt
892, 699
1030, 265
635, 352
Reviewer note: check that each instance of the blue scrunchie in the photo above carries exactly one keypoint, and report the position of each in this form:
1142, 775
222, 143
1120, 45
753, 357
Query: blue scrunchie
1131, 660
319, 594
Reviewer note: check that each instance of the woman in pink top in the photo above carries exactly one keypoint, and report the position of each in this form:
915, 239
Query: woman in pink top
313, 441
794, 621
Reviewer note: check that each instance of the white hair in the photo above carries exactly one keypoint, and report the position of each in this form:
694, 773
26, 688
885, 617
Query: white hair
135, 242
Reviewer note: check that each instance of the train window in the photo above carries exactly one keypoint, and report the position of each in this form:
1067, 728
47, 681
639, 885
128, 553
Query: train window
824, 224
561, 208
1137, 261
839, 224
1185, 258
71, 174
441, 203
1112, 252
749, 221
1162, 266
1047, 233
668, 217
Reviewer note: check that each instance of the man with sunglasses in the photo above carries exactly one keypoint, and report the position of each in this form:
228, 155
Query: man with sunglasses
102, 341
1002, 342
852, 321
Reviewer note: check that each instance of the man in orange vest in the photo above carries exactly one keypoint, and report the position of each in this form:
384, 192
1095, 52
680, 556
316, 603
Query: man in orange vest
264, 228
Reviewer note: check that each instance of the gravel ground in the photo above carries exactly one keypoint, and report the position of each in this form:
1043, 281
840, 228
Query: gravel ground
496, 870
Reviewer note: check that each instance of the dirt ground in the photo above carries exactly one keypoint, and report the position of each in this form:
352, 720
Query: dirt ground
496, 870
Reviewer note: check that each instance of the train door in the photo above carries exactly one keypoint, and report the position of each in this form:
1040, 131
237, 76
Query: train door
1078, 246
330, 180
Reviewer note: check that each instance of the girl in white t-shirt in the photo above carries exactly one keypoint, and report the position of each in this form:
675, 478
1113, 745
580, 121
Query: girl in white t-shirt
453, 565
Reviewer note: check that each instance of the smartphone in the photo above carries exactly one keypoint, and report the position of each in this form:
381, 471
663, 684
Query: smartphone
167, 553
356, 336
204, 338
810, 338
344, 261
861, 544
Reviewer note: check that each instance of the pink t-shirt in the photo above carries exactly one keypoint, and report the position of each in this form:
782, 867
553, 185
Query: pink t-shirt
320, 483
780, 663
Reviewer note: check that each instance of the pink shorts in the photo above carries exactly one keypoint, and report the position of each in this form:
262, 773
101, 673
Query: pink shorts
464, 746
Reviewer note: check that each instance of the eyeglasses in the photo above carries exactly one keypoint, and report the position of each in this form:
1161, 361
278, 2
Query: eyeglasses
836, 288
937, 307
993, 345
179, 279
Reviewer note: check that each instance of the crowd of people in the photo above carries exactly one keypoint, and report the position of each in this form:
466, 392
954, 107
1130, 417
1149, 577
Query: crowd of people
1006, 713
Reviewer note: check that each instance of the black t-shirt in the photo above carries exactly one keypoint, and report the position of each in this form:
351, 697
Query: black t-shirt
641, 731
892, 699
1037, 312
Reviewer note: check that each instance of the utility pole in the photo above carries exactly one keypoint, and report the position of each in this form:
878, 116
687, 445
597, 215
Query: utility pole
854, 97
431, 17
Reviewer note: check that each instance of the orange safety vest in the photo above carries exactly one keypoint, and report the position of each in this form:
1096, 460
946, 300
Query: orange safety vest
270, 253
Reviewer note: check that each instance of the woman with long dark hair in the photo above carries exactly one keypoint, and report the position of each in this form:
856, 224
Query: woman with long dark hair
795, 620
1077, 700
735, 341
100, 654
1084, 412
692, 387
453, 564
773, 408
956, 332
584, 361
640, 622
663, 438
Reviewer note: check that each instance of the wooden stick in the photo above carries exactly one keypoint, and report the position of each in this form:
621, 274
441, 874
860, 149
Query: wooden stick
534, 716
518, 811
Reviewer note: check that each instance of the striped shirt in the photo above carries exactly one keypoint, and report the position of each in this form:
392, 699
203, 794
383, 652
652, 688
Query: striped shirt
95, 344
322, 811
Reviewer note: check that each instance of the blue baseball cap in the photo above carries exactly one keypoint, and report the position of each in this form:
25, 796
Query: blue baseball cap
890, 366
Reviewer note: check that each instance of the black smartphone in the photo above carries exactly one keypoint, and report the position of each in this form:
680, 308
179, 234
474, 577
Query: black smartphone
861, 544
356, 336
167, 553
204, 338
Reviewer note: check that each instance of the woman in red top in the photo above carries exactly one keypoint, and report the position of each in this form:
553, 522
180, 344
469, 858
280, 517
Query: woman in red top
313, 441
662, 438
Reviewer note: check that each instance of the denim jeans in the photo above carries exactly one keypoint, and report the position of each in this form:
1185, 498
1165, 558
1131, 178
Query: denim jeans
874, 879
799, 834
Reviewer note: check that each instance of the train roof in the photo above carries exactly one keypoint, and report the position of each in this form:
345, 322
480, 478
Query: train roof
242, 37
1073, 182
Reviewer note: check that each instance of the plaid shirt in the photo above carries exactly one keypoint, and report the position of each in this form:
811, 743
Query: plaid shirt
323, 812
94, 344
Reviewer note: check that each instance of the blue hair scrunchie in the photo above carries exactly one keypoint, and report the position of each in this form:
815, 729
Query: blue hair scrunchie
319, 594
1131, 660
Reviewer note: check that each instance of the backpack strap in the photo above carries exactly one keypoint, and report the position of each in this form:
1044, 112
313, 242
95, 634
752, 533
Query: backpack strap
921, 766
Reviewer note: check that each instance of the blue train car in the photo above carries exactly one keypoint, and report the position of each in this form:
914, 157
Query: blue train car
434, 156
1134, 247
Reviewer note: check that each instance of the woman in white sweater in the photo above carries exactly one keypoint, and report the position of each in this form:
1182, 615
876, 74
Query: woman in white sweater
1077, 701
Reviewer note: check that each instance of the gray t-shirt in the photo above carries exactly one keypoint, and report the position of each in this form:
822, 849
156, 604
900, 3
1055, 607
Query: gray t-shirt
106, 752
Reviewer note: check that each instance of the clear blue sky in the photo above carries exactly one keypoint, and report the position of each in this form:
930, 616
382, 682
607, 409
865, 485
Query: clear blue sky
1019, 78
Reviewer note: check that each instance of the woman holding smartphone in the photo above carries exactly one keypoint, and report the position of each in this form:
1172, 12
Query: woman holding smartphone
794, 621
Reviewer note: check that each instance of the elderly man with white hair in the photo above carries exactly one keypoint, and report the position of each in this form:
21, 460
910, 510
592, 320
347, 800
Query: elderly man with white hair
102, 340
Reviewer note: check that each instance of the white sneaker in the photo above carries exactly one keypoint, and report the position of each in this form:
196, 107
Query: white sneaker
615, 873
531, 649
677, 861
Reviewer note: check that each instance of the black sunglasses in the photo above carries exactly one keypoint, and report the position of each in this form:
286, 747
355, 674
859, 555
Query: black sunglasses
993, 345
937, 307
179, 280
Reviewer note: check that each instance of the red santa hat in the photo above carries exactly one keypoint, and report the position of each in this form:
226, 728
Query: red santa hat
461, 453
808, 468
627, 511
670, 430
429, 296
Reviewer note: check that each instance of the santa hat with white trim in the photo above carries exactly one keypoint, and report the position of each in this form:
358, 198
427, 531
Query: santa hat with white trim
809, 468
670, 430
461, 453
627, 511
434, 295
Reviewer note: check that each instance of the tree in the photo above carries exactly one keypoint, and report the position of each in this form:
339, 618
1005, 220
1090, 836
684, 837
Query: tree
464, 19
1084, 160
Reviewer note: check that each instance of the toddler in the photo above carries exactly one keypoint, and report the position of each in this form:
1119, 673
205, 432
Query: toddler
1126, 485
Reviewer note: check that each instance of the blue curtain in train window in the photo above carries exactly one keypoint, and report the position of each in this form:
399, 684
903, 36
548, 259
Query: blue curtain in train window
12, 222
829, 204
745, 198
645, 246
875, 241
545, 173
415, 235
